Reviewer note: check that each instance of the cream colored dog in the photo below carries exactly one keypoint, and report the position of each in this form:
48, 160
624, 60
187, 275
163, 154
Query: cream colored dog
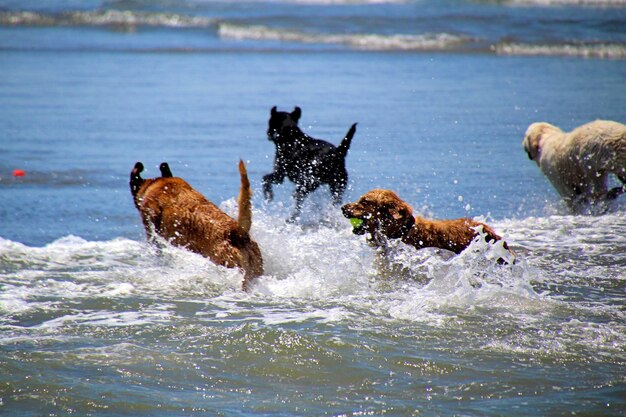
579, 163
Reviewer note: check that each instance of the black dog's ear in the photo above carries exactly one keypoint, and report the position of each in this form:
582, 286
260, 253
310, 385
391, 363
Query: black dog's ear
295, 114
273, 111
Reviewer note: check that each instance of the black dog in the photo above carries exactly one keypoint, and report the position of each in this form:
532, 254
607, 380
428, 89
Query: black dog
306, 161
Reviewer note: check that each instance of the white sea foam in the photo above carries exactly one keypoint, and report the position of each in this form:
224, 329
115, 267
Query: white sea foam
325, 274
330, 263
424, 42
605, 50
593, 3
340, 2
105, 18
330, 2
314, 264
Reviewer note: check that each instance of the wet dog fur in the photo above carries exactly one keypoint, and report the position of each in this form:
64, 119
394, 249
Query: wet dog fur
172, 209
578, 163
306, 161
386, 216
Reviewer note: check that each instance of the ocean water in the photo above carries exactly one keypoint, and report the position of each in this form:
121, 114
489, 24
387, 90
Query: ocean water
96, 322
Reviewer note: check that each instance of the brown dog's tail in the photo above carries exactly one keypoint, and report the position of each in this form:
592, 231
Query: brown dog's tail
345, 143
244, 218
135, 179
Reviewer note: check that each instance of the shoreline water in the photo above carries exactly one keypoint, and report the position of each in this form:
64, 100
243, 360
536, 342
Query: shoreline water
95, 321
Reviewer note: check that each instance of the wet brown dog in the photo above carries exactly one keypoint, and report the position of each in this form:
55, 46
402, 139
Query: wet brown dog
383, 215
171, 208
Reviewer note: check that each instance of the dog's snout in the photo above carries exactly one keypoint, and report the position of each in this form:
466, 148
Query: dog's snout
272, 134
346, 210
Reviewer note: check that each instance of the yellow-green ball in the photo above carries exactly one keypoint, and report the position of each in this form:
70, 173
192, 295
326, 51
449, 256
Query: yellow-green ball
355, 222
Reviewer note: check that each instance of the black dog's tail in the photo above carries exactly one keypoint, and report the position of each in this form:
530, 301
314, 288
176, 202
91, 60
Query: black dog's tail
135, 178
345, 143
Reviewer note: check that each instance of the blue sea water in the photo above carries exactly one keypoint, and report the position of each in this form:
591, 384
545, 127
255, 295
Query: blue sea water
94, 321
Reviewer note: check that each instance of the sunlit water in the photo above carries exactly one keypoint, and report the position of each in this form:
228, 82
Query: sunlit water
95, 321
118, 327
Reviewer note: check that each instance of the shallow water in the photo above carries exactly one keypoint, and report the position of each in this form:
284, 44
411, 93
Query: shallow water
111, 328
94, 321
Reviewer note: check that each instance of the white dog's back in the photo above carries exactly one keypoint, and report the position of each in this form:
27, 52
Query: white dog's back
578, 163
601, 138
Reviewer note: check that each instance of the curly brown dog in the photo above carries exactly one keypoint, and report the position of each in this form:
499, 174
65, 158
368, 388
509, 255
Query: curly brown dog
171, 208
382, 214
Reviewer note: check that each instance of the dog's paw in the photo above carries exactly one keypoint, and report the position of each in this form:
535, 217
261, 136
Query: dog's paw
615, 192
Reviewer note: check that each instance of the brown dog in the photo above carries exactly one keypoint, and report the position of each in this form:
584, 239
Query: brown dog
382, 214
171, 208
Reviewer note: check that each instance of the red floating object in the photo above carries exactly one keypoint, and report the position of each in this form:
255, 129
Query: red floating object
19, 172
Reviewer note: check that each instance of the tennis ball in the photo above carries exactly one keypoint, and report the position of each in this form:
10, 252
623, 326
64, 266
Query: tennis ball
356, 222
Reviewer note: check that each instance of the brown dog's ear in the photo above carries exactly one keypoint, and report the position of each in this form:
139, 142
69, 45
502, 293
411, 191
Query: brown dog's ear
399, 212
396, 213
166, 172
295, 114
135, 178
396, 220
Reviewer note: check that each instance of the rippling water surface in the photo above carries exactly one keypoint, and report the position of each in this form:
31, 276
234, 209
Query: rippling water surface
96, 322
114, 327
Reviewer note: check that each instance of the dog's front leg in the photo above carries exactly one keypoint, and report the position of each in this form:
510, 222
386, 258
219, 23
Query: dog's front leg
337, 188
299, 195
615, 192
267, 187
268, 180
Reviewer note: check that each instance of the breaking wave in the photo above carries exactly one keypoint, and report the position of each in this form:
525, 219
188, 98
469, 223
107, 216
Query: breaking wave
424, 42
123, 18
591, 3
236, 31
341, 2
323, 274
603, 51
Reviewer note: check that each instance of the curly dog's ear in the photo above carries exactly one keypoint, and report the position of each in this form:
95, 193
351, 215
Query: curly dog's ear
532, 139
295, 114
400, 220
397, 212
135, 178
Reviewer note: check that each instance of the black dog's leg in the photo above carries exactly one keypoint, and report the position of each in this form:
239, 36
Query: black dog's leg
268, 180
298, 195
337, 188
338, 185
